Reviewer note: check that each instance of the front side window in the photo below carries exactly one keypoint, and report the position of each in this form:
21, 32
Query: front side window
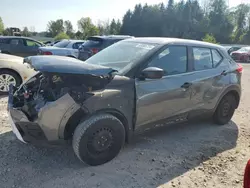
173, 60
202, 59
32, 43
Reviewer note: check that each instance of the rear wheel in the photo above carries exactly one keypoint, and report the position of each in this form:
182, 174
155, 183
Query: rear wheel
98, 139
225, 109
8, 77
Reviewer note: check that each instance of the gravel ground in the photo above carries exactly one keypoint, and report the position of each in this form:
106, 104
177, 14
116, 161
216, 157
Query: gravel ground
185, 155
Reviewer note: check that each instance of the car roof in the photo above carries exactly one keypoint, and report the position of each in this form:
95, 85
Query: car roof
72, 40
107, 37
163, 41
17, 37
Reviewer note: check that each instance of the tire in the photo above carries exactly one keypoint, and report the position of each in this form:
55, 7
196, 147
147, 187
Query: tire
16, 79
225, 110
98, 139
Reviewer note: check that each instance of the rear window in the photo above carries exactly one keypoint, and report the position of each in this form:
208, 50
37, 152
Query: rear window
62, 44
93, 42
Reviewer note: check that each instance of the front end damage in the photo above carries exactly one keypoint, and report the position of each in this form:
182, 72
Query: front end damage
44, 107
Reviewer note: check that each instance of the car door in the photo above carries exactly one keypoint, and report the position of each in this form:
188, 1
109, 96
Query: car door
170, 95
17, 47
209, 79
31, 47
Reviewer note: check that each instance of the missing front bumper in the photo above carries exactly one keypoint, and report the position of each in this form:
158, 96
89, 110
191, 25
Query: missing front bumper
25, 131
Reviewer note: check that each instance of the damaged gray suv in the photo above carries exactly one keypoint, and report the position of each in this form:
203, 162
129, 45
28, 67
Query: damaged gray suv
101, 102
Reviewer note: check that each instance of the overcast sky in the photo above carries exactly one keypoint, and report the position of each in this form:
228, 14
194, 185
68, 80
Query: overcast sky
36, 13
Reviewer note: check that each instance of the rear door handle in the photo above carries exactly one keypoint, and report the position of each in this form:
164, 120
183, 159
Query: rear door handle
186, 85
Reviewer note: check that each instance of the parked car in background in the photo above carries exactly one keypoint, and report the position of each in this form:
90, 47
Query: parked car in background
65, 47
233, 49
12, 71
97, 43
99, 103
19, 46
241, 55
51, 43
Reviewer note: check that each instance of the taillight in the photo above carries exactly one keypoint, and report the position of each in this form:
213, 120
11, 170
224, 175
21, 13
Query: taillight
94, 50
240, 68
46, 53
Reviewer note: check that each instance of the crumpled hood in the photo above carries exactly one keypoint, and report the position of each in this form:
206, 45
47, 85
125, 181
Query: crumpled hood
60, 64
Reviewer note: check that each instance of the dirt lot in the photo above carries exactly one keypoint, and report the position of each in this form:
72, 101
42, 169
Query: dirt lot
184, 155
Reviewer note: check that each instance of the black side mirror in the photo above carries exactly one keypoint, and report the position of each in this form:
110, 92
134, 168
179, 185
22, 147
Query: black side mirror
152, 73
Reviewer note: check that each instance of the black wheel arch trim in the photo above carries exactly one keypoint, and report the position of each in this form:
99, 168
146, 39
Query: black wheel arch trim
85, 115
232, 88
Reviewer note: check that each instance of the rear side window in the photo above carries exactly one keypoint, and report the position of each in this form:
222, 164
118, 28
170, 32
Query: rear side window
202, 59
217, 58
16, 42
93, 42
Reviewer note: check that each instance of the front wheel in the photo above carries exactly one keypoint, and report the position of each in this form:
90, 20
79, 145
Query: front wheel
98, 139
225, 110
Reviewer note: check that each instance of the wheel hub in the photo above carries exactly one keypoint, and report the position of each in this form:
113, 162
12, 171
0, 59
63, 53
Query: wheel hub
102, 140
226, 109
5, 81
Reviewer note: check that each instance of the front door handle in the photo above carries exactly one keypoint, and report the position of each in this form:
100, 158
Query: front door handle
186, 85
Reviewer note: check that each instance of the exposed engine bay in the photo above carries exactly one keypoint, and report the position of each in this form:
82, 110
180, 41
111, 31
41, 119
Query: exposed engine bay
45, 88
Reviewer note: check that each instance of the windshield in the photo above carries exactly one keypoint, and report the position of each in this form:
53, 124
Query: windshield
245, 49
120, 55
62, 44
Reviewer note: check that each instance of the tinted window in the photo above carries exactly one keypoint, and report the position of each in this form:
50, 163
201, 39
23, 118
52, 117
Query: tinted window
62, 44
202, 59
16, 42
216, 57
173, 60
93, 42
77, 45
3, 41
32, 43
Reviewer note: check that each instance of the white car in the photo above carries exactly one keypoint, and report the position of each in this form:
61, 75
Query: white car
67, 48
13, 71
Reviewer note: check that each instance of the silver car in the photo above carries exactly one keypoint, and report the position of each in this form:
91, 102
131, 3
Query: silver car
67, 48
101, 102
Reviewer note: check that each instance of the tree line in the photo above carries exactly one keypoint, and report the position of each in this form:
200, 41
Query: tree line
208, 20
